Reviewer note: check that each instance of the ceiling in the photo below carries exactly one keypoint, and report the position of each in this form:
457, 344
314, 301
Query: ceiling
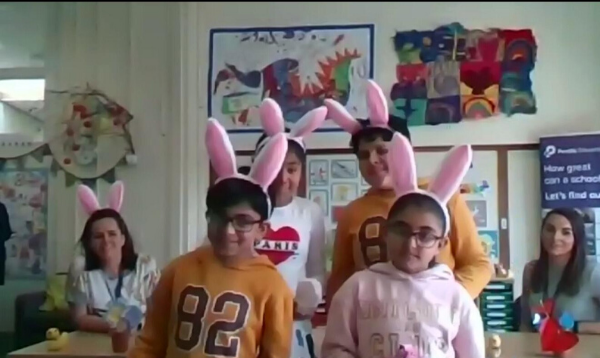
24, 27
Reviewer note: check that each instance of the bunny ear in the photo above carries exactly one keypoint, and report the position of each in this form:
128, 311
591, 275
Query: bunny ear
403, 170
115, 196
271, 117
220, 151
268, 163
377, 105
451, 172
340, 115
309, 122
88, 199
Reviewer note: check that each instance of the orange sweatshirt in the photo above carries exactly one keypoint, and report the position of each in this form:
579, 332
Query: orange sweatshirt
201, 309
359, 242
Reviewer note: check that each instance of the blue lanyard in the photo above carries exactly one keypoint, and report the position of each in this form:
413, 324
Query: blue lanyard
118, 288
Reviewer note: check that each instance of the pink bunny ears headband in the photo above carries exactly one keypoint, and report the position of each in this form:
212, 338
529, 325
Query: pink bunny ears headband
377, 108
443, 185
90, 203
265, 167
273, 123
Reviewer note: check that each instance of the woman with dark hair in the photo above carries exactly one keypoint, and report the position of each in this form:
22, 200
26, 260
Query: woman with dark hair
107, 268
562, 272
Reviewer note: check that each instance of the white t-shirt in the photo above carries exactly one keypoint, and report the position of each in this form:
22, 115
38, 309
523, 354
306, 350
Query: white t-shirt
96, 290
295, 242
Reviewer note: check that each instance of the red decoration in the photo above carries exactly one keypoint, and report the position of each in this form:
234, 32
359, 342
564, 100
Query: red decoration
554, 338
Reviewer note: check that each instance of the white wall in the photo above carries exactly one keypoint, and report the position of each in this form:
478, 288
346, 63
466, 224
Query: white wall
566, 80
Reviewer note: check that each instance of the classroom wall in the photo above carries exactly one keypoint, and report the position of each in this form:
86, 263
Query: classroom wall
131, 51
566, 80
153, 58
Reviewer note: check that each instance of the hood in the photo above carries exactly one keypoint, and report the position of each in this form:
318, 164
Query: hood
439, 272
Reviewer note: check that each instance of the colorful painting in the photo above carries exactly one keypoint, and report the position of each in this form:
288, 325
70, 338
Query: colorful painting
453, 74
296, 66
25, 194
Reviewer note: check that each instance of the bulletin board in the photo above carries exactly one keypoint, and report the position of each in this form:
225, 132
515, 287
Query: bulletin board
332, 179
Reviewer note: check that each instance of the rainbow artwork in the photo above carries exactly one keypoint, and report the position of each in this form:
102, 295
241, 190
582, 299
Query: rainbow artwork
452, 74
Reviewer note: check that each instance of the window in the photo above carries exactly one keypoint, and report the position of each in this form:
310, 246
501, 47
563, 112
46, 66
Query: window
22, 90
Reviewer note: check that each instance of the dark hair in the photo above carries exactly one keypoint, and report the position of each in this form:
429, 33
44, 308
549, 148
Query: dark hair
421, 202
92, 261
244, 169
370, 134
293, 146
571, 278
234, 191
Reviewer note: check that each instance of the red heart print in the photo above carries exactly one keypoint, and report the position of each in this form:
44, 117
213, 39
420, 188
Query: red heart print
279, 245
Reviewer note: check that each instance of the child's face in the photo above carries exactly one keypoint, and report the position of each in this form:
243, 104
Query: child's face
372, 161
288, 180
234, 236
414, 237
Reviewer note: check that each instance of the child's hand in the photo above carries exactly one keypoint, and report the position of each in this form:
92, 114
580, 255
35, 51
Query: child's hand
300, 316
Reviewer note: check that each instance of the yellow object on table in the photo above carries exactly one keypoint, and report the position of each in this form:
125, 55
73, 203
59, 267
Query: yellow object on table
80, 345
56, 341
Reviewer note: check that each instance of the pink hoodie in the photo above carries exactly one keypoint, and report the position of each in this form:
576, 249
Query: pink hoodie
381, 308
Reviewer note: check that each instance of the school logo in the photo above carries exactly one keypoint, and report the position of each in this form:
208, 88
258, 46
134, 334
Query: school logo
279, 245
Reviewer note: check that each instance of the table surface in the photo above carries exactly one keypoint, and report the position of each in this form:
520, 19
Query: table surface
518, 345
91, 345
81, 345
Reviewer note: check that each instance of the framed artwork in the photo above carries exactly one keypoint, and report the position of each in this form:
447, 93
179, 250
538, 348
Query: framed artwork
298, 67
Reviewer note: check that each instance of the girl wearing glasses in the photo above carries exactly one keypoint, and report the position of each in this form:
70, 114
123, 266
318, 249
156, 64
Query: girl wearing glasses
295, 241
411, 306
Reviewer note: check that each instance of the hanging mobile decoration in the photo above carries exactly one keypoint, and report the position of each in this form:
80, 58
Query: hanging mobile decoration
92, 138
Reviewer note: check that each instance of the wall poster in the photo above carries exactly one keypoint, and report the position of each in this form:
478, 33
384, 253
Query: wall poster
24, 192
570, 175
296, 66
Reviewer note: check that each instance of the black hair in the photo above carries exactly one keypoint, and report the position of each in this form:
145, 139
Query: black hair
234, 191
570, 282
370, 134
293, 146
92, 261
244, 169
421, 202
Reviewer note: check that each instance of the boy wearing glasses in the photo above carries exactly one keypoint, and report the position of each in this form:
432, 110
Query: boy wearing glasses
359, 241
225, 300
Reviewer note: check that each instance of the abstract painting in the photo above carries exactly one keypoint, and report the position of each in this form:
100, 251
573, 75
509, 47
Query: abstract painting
296, 66
452, 74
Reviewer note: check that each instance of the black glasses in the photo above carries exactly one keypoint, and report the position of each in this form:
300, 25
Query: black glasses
425, 239
240, 223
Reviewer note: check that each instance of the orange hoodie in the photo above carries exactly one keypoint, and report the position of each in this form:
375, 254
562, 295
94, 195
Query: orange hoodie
359, 242
201, 309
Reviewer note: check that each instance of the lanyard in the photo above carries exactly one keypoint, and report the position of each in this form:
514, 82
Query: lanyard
118, 288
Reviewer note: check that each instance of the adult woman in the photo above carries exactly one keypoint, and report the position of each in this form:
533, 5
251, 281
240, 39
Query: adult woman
108, 268
295, 242
562, 272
